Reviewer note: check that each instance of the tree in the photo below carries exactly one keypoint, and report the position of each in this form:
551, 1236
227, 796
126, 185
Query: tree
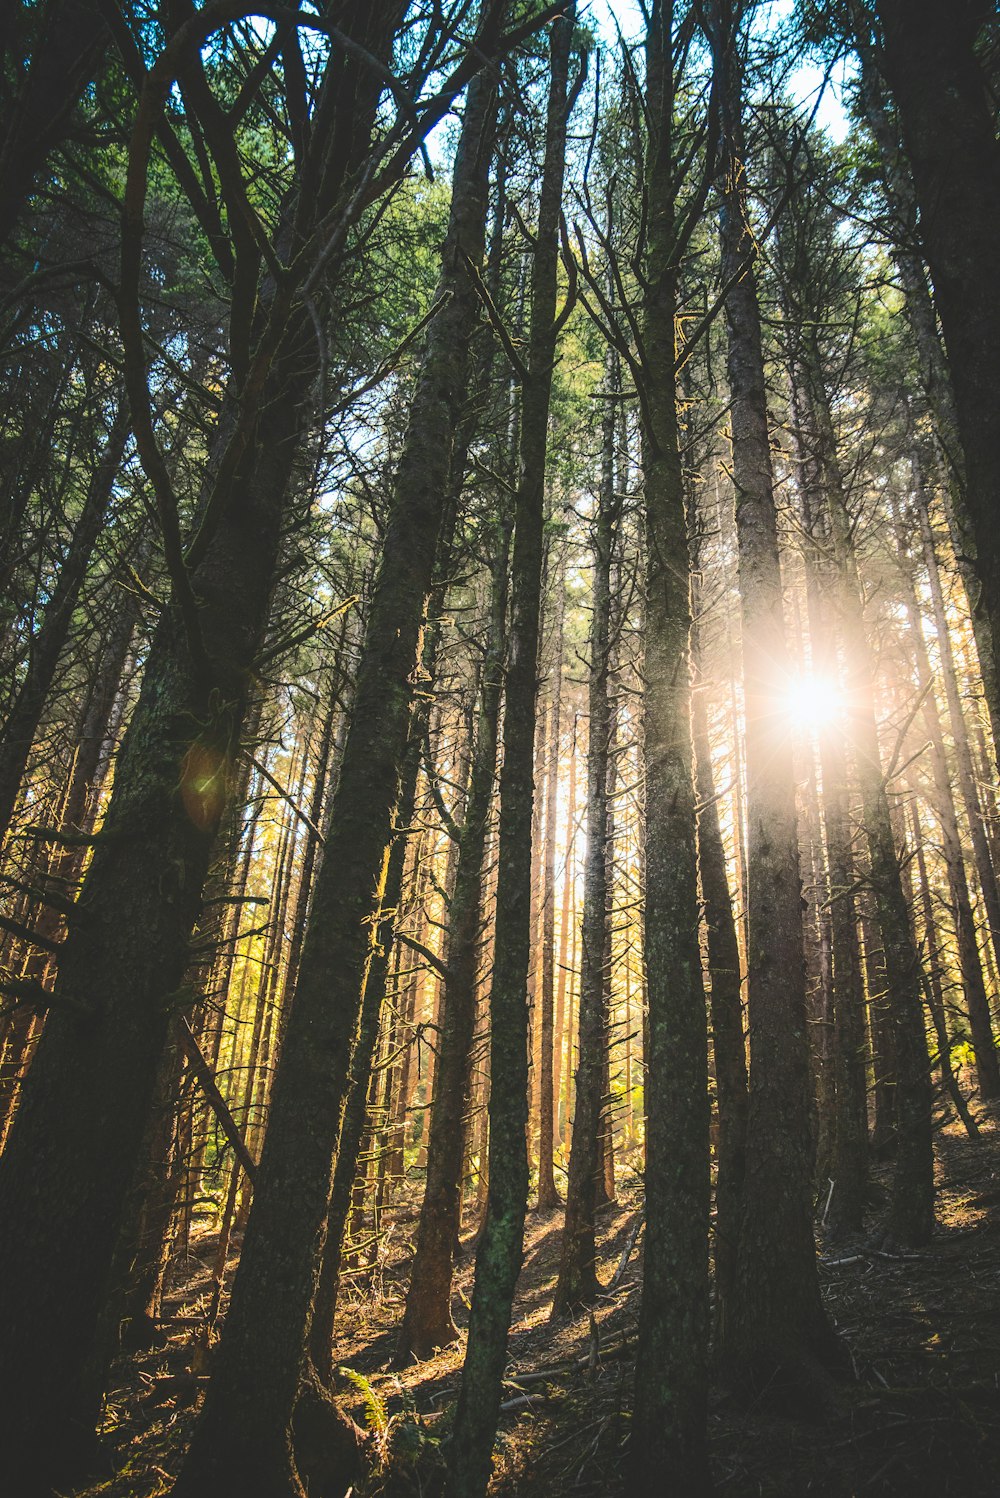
247, 1423
78, 1136
498, 1259
776, 1327
928, 53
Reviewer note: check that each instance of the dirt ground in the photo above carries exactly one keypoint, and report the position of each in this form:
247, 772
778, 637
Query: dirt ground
921, 1418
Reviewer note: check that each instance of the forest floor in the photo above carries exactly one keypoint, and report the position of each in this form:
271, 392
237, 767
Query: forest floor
922, 1419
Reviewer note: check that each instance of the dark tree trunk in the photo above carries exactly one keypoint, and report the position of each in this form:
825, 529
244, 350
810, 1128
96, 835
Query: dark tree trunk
357, 1110
848, 1159
776, 1331
70, 38
77, 1141
578, 1284
498, 1260
911, 1216
548, 1196
725, 995
949, 134
99, 730
669, 1440
427, 1320
245, 1435
883, 1137
22, 722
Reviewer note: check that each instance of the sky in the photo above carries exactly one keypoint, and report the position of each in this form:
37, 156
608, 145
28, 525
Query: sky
805, 81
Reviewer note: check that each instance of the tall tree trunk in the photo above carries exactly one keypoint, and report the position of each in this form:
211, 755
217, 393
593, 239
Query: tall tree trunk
935, 376
377, 980
498, 1259
96, 741
848, 1161
427, 1320
911, 1213
725, 989
669, 1442
966, 774
928, 55
77, 1142
245, 1435
548, 1196
578, 1284
776, 1331
969, 961
563, 1079
22, 722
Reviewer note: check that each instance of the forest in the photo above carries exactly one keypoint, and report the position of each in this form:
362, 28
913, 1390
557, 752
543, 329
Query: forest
500, 700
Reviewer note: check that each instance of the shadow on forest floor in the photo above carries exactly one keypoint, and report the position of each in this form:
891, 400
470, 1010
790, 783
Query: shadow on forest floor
922, 1420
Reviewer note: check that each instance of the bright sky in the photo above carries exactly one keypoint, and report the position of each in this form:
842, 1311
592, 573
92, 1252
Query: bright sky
804, 82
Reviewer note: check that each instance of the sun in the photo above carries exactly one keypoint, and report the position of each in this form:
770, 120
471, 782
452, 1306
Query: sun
813, 702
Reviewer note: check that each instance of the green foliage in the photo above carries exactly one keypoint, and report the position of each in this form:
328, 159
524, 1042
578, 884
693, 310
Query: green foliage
376, 1415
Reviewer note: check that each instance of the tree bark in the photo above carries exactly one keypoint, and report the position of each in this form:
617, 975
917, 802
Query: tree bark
66, 51
969, 961
548, 1196
669, 1437
578, 1284
966, 775
911, 1213
935, 376
245, 1436
776, 1333
725, 992
848, 1160
928, 55
25, 715
498, 1259
77, 1141
427, 1320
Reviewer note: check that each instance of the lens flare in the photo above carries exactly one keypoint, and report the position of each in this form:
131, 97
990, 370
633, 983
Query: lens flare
813, 703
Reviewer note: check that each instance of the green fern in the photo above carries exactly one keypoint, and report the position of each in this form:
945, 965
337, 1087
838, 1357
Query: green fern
376, 1414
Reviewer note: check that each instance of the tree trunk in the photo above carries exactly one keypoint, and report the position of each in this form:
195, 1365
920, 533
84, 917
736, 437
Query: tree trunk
969, 961
427, 1321
548, 1196
22, 722
947, 120
776, 1331
725, 993
70, 41
966, 774
498, 1259
934, 373
848, 1161
578, 1284
911, 1213
669, 1438
245, 1436
935, 997
77, 1141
